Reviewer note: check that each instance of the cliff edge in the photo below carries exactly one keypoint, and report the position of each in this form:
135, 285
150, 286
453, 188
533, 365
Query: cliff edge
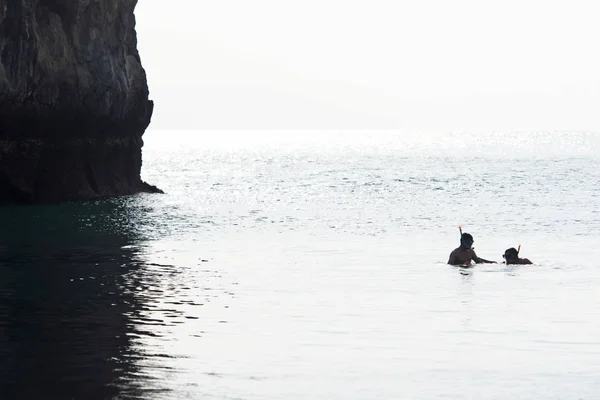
73, 100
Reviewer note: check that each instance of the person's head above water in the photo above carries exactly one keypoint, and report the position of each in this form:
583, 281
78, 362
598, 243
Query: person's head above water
465, 254
511, 255
466, 240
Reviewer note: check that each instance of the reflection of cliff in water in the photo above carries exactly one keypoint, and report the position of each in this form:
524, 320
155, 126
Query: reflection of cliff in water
68, 280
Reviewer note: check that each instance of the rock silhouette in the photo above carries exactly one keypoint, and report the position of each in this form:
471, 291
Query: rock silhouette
74, 101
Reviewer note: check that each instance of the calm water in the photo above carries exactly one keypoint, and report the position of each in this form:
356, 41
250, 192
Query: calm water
312, 266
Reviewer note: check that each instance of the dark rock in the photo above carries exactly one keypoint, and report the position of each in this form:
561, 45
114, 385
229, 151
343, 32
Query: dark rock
73, 100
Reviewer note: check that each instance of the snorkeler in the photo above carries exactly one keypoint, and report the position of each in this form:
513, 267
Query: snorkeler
464, 254
512, 257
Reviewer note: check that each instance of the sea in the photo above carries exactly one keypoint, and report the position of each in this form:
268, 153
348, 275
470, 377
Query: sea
312, 265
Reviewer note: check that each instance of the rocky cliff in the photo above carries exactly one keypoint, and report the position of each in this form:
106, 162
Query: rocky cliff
73, 100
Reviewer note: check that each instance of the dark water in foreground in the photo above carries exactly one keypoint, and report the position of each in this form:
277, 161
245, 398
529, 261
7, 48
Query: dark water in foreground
74, 284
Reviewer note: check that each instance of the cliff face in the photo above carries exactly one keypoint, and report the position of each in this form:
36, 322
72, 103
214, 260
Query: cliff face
73, 100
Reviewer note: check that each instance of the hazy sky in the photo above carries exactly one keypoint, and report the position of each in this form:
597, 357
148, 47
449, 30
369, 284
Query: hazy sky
378, 64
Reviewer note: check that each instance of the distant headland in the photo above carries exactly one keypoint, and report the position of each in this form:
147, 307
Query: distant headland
74, 101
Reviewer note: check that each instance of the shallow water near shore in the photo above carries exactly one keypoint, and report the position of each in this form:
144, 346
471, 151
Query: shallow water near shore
305, 265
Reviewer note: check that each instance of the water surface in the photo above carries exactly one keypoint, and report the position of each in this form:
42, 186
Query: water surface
312, 266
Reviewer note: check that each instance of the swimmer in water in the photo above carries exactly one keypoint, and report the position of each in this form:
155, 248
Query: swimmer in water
464, 254
512, 257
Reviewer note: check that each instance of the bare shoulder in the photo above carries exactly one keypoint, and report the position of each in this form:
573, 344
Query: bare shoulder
453, 257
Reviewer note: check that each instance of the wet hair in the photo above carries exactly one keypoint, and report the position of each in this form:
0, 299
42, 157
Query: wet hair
512, 252
466, 237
